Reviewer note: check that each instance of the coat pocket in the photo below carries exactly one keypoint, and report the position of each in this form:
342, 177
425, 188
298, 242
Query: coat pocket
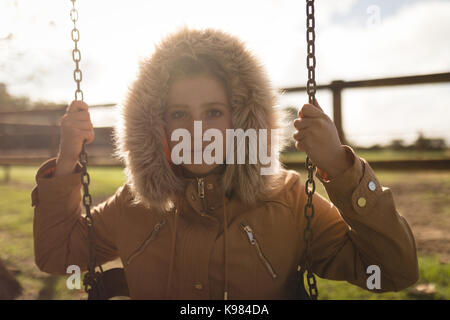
147, 240
248, 231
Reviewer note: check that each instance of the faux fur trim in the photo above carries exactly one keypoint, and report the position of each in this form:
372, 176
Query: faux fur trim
138, 136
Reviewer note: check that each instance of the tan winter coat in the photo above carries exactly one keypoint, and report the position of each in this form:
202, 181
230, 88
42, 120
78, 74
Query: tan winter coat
233, 230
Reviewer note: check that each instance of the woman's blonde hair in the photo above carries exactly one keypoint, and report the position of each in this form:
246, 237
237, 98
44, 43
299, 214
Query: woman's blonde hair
187, 66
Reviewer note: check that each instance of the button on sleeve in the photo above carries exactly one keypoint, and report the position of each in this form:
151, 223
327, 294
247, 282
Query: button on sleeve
366, 194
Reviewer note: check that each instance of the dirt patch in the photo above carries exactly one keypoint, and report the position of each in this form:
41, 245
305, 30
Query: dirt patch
426, 208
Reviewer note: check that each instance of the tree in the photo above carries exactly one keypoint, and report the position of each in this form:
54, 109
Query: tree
9, 102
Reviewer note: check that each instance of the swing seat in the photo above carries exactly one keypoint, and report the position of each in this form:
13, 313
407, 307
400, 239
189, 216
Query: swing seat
111, 284
301, 293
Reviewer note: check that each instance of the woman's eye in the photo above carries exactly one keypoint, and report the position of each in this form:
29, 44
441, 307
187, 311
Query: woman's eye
177, 114
214, 113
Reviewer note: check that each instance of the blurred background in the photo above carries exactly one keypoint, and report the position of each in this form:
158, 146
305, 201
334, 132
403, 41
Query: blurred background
383, 70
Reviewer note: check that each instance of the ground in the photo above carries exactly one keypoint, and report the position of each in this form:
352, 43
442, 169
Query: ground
422, 197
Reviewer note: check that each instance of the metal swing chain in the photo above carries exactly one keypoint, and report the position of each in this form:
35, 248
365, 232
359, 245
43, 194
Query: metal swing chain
91, 277
310, 185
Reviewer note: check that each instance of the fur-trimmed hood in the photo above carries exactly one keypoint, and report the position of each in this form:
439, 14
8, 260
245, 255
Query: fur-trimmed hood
139, 134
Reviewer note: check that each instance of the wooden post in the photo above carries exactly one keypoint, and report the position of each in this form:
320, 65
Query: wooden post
54, 141
336, 88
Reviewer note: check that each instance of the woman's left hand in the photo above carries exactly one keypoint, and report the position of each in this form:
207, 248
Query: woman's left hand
317, 136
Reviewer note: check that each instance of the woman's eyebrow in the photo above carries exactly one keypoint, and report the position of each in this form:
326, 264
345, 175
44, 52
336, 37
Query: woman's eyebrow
204, 105
178, 105
208, 104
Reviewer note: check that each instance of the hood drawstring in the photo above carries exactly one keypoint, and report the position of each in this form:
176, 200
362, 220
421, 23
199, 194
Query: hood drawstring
172, 251
225, 228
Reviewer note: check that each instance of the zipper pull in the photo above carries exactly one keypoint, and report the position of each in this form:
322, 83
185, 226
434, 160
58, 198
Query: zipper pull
201, 188
150, 238
257, 247
158, 226
249, 232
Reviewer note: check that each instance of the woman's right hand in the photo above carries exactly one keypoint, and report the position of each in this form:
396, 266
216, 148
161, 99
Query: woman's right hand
76, 126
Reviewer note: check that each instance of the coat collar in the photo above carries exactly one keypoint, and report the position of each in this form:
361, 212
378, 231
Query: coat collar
205, 193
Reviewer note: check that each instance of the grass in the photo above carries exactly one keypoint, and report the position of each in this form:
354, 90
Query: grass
431, 271
16, 237
16, 228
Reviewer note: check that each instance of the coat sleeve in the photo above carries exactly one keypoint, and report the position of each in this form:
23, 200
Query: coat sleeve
59, 230
359, 228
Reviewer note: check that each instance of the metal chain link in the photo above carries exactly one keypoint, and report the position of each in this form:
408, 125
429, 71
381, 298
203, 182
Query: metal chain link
76, 54
91, 277
310, 185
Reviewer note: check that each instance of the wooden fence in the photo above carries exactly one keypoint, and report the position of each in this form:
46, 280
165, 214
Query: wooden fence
31, 137
337, 86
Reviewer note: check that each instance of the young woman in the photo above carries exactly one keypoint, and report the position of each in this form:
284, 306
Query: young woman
217, 230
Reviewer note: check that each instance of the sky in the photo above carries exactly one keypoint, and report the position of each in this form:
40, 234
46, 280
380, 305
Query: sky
355, 40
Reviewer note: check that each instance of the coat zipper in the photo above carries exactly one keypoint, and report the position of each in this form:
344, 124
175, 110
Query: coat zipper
150, 238
201, 191
201, 187
251, 238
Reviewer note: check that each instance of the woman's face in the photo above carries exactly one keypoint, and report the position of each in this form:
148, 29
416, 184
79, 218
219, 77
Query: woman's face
197, 98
